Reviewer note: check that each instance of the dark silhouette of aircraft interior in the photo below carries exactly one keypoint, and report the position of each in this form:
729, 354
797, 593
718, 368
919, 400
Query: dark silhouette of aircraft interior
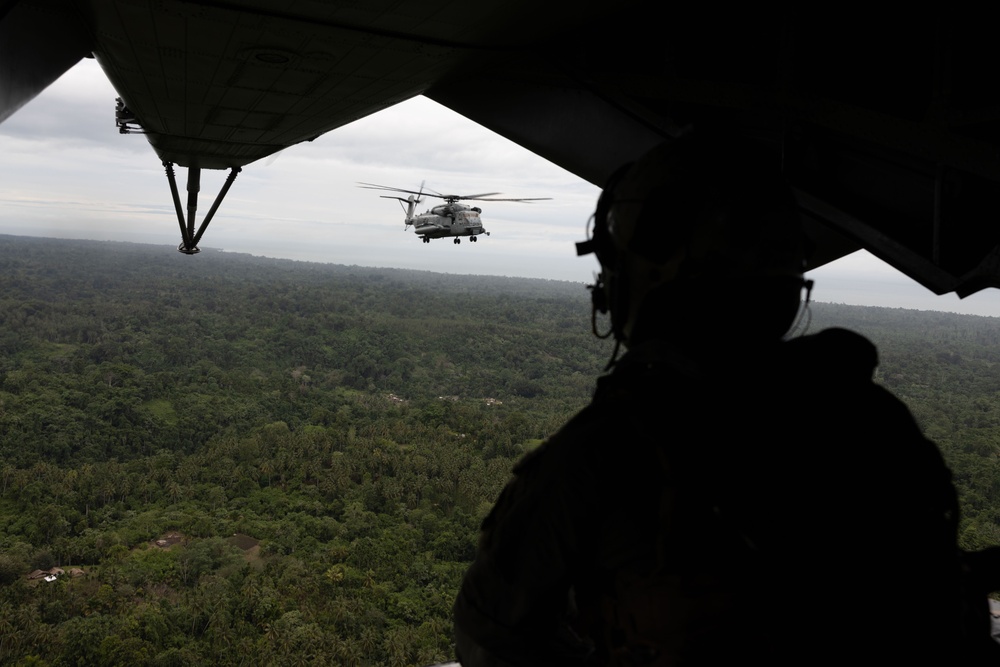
886, 125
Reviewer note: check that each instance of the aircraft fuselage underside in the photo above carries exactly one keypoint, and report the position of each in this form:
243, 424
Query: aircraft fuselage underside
892, 144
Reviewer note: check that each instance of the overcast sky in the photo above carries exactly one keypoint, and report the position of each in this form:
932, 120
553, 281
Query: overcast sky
66, 172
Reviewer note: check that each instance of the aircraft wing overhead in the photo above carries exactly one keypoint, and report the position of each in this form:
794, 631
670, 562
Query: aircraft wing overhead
39, 42
888, 127
220, 84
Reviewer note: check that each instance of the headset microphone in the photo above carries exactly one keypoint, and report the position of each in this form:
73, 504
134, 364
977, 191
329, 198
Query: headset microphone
598, 296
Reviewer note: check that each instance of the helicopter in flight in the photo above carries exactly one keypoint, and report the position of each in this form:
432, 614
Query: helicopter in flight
448, 220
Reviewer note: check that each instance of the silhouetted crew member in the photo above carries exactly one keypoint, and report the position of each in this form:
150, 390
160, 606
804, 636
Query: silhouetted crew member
729, 494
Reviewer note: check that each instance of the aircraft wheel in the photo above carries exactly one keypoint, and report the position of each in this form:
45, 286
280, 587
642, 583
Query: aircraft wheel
473, 239
457, 241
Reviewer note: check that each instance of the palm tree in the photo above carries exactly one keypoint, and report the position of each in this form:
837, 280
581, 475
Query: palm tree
174, 490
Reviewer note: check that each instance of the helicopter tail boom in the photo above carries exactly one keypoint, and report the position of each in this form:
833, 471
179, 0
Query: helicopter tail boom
411, 205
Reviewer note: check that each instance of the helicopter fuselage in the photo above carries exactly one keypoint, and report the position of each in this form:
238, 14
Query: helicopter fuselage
448, 220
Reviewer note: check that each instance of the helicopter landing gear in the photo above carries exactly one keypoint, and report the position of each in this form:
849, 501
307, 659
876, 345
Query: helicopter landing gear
457, 241
190, 237
473, 239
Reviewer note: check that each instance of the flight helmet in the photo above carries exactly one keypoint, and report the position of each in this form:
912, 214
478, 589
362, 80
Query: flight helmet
696, 218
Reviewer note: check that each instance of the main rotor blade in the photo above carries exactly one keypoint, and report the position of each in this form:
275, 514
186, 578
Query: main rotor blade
373, 186
521, 199
485, 194
422, 192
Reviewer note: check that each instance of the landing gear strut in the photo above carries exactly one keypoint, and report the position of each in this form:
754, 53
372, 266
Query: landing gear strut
190, 238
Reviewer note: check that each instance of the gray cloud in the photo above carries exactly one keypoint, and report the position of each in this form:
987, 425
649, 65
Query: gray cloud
65, 171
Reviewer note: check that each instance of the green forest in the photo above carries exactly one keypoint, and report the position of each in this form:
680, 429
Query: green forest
231, 460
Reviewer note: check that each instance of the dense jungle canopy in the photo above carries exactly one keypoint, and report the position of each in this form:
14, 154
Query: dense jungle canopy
241, 460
